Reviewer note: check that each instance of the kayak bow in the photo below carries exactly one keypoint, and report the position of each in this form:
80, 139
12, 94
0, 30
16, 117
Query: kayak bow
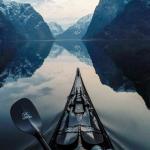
79, 126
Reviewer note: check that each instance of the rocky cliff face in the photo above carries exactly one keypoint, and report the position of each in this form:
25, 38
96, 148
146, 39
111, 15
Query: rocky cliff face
132, 23
78, 30
104, 13
7, 30
25, 20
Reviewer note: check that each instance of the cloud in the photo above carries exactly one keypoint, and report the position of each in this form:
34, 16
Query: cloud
59, 10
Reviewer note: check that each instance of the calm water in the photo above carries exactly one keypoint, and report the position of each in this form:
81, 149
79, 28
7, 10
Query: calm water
44, 72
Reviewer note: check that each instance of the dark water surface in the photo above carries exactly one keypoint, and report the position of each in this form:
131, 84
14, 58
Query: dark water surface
44, 72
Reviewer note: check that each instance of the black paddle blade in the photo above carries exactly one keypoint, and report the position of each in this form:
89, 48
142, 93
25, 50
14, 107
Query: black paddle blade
26, 117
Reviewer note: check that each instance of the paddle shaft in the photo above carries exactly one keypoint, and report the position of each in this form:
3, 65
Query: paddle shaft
42, 141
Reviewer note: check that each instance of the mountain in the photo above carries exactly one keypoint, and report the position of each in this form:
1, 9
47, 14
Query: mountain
126, 41
77, 30
55, 28
104, 13
25, 20
7, 30
132, 23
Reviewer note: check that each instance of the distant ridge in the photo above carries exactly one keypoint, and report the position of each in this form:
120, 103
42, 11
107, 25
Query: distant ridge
77, 30
55, 28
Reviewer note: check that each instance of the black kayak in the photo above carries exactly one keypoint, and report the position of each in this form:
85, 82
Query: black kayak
79, 127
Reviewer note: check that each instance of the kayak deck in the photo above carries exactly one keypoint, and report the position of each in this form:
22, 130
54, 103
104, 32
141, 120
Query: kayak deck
79, 126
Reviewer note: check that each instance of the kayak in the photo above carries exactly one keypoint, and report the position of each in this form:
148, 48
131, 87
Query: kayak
79, 126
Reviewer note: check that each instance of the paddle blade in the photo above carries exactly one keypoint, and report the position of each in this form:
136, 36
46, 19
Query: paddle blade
25, 116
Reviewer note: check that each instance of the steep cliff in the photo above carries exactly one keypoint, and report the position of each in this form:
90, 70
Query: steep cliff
104, 13
132, 23
25, 20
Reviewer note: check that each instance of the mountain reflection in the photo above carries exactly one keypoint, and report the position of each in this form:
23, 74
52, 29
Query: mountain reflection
123, 67
107, 70
78, 49
116, 67
19, 60
45, 74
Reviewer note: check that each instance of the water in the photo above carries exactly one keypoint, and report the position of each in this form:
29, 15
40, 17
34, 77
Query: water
44, 72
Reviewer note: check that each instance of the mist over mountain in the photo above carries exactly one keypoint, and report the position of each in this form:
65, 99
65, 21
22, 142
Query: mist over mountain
77, 30
25, 21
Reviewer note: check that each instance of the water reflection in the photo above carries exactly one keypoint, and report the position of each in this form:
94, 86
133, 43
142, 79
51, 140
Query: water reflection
78, 49
123, 113
107, 70
18, 60
121, 61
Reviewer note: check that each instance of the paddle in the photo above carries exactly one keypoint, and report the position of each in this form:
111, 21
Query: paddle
27, 119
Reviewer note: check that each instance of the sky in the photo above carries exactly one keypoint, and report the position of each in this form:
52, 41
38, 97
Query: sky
63, 12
